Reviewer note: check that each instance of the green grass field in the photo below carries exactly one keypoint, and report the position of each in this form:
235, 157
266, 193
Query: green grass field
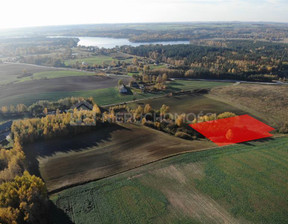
54, 74
244, 183
102, 97
178, 85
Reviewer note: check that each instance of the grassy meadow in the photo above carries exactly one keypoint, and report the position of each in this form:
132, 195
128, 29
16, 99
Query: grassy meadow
54, 74
178, 85
244, 183
102, 97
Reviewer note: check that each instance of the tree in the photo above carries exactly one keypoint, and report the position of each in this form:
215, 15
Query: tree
148, 109
146, 68
45, 111
226, 115
159, 79
24, 200
135, 61
164, 77
96, 109
120, 82
12, 108
180, 120
164, 109
138, 112
21, 108
4, 109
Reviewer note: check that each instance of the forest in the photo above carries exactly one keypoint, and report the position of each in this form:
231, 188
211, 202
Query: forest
237, 60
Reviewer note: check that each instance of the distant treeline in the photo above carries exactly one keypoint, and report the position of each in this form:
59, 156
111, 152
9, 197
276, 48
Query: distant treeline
183, 31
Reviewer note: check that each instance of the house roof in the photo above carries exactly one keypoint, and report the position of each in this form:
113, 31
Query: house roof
82, 104
5, 126
3, 136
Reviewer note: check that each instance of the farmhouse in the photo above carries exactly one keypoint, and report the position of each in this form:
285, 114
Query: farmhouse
123, 89
134, 85
83, 105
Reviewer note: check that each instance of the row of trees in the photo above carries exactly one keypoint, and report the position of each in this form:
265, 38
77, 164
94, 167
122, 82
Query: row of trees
60, 124
161, 119
36, 109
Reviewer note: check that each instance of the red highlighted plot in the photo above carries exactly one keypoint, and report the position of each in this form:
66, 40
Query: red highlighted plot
233, 130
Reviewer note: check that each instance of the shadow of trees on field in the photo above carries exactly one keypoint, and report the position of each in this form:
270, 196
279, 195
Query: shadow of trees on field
58, 216
75, 143
252, 143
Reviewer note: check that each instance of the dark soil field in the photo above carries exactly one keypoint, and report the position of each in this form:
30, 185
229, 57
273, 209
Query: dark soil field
11, 72
243, 183
71, 161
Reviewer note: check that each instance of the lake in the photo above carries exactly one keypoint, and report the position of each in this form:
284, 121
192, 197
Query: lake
107, 42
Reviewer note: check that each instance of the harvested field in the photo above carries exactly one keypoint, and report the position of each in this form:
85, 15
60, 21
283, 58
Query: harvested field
265, 101
190, 104
66, 162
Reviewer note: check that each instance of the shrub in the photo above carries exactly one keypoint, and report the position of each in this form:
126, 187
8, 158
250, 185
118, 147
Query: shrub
181, 134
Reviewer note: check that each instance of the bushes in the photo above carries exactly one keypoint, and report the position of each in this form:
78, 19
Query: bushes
181, 134
13, 162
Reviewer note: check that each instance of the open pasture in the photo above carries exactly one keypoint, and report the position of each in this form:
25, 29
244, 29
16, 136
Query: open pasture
178, 85
55, 74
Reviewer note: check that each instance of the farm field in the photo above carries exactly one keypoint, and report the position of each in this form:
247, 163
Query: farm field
66, 162
178, 85
101, 88
265, 101
189, 104
53, 89
97, 60
55, 74
12, 72
244, 183
102, 97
